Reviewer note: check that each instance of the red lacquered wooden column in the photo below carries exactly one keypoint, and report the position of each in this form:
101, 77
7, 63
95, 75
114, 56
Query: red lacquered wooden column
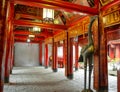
10, 13
46, 56
12, 63
103, 71
118, 80
11, 55
117, 54
54, 56
40, 54
70, 64
96, 69
64, 53
65, 56
76, 56
3, 9
7, 60
68, 58
111, 52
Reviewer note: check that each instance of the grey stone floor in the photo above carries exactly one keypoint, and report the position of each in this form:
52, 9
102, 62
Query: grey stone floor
39, 79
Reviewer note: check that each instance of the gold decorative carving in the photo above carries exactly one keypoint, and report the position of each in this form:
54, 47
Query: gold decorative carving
112, 19
111, 10
48, 40
111, 16
59, 37
105, 2
80, 29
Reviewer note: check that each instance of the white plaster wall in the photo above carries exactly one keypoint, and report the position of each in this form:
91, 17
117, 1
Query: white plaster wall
26, 54
49, 50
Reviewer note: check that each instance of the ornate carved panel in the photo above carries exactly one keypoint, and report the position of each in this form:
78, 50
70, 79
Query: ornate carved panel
60, 36
111, 16
49, 40
105, 2
80, 29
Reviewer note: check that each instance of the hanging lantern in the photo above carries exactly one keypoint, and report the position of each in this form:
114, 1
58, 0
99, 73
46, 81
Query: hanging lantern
48, 15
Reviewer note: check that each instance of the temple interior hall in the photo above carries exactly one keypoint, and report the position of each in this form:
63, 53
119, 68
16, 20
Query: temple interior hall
59, 45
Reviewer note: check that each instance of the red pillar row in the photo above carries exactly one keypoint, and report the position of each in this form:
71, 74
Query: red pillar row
46, 56
40, 54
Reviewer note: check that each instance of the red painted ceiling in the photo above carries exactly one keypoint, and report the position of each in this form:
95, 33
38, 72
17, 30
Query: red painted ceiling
28, 13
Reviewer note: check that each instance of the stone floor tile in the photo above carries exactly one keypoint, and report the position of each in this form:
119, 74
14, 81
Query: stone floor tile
39, 79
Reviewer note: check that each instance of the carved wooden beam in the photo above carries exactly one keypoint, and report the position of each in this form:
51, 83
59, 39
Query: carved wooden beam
115, 2
28, 16
24, 41
26, 32
42, 25
24, 38
59, 5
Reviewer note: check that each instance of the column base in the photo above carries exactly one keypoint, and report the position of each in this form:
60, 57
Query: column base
6, 80
76, 68
46, 67
70, 76
40, 64
55, 70
87, 90
10, 71
1, 87
103, 89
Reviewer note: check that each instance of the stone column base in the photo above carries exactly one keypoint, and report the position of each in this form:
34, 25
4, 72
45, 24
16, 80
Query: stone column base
70, 76
55, 70
46, 67
6, 79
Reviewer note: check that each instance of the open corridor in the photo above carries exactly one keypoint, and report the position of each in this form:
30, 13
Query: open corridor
39, 79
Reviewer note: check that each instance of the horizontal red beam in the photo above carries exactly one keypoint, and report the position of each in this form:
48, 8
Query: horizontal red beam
24, 41
26, 32
26, 37
78, 21
59, 5
42, 25
29, 16
115, 2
